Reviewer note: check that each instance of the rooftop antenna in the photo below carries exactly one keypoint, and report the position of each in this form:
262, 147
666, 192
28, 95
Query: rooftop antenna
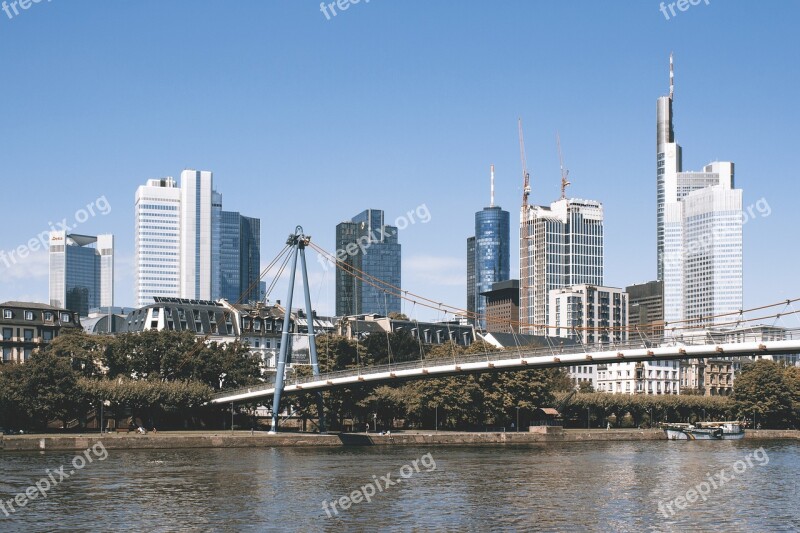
526, 187
492, 179
564, 172
671, 77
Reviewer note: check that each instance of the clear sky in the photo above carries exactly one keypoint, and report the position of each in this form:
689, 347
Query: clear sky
391, 105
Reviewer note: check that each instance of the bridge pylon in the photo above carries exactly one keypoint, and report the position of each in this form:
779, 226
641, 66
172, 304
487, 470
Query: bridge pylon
298, 241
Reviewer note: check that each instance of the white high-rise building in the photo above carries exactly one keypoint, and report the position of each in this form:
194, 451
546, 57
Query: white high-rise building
81, 271
178, 238
560, 245
199, 234
699, 218
157, 242
703, 256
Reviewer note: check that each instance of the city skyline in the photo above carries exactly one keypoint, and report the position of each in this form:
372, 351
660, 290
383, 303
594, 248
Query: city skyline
433, 162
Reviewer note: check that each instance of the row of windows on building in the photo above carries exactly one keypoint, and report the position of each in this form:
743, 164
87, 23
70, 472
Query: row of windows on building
47, 316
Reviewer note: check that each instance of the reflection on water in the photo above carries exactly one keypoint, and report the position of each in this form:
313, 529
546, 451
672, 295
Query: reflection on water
601, 486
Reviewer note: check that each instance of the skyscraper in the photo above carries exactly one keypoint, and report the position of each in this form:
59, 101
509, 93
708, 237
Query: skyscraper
200, 216
177, 239
366, 244
240, 257
668, 164
488, 256
699, 218
560, 245
157, 243
81, 271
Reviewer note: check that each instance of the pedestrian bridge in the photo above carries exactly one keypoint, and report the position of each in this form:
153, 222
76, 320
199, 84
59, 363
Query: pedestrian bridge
510, 361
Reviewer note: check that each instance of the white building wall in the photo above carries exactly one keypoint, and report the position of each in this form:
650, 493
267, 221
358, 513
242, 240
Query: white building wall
105, 247
157, 241
196, 191
650, 377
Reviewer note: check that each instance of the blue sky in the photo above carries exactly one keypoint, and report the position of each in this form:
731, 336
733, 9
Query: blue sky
392, 105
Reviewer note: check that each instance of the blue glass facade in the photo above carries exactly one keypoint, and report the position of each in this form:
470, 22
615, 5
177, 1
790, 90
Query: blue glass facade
82, 279
367, 244
239, 257
491, 257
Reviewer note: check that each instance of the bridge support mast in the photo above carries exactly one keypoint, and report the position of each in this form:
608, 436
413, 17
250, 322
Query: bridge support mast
298, 241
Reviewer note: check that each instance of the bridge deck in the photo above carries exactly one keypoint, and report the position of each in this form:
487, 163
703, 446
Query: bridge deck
509, 361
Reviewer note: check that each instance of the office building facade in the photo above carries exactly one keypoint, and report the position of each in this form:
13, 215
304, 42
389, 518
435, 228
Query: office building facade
576, 310
646, 308
560, 246
502, 307
157, 243
179, 243
81, 271
200, 214
491, 257
699, 226
371, 253
240, 257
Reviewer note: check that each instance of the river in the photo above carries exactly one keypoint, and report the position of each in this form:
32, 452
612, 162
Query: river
597, 486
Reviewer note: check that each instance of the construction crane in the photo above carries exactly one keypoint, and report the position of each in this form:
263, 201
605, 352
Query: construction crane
526, 178
564, 171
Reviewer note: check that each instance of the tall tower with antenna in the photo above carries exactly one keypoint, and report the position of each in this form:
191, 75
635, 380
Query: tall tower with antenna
488, 257
668, 163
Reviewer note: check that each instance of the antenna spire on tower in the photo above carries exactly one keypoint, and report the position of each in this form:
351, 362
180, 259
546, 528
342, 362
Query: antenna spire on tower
671, 77
492, 179
564, 172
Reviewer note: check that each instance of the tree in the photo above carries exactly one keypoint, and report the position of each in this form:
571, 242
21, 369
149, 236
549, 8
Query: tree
761, 391
48, 388
85, 352
791, 376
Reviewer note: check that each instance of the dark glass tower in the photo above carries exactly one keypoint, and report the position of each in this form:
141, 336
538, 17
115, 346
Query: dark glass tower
367, 244
240, 257
490, 260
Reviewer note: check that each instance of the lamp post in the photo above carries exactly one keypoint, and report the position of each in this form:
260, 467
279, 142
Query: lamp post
517, 419
436, 418
101, 418
588, 418
231, 418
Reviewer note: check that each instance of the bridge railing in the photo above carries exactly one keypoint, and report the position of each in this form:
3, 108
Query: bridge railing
694, 339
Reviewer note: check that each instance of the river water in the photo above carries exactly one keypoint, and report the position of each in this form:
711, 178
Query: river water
597, 486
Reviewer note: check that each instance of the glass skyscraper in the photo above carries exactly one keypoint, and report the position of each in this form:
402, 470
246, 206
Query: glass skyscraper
490, 257
699, 217
367, 244
240, 257
81, 271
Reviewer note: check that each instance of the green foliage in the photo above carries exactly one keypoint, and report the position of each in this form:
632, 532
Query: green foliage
764, 390
180, 356
602, 406
143, 395
152, 373
47, 388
